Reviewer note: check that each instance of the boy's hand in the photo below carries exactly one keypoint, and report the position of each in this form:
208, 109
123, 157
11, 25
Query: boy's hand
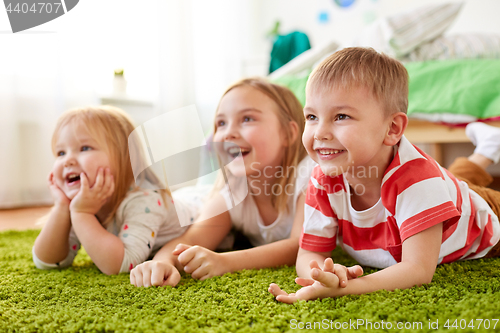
345, 273
324, 283
60, 199
154, 273
200, 262
90, 200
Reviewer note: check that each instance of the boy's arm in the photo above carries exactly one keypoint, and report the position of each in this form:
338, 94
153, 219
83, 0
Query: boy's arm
304, 259
419, 260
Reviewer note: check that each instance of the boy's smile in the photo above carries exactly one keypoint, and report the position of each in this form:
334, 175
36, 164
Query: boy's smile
345, 132
328, 154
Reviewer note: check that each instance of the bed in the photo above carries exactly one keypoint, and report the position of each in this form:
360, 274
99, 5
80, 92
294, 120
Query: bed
454, 79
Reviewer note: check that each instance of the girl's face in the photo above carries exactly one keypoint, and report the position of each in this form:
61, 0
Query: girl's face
76, 152
248, 118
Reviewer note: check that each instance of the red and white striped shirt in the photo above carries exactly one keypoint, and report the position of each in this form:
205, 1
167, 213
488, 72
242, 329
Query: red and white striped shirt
416, 194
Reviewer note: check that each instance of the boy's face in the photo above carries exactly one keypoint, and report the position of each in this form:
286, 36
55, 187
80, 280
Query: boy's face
345, 131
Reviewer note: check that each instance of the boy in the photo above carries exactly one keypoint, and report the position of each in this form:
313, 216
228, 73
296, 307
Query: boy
387, 203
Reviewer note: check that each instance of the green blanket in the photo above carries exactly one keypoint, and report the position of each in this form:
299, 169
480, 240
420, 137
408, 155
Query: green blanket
466, 87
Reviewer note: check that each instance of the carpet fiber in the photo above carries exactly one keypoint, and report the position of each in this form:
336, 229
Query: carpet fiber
80, 298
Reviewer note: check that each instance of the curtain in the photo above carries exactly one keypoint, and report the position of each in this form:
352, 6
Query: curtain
174, 53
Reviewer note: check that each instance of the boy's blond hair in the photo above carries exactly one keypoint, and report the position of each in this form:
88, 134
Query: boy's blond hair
110, 127
290, 109
353, 67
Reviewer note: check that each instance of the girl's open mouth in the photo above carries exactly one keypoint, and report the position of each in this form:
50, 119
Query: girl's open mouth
72, 178
235, 151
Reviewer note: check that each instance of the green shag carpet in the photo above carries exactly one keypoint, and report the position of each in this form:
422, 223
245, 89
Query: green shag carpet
465, 296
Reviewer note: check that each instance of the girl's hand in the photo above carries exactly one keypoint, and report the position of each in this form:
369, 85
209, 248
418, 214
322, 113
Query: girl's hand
200, 262
154, 273
324, 283
90, 200
60, 199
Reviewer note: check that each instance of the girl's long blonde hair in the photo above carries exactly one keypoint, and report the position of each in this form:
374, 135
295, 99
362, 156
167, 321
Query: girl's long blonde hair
289, 109
111, 128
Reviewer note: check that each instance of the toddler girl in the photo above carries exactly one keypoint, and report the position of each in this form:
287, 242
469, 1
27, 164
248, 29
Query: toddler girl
97, 203
266, 121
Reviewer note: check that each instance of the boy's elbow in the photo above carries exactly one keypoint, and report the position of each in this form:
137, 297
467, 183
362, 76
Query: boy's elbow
424, 274
428, 277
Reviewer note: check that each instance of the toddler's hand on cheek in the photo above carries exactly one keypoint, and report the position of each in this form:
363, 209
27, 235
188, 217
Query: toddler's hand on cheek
60, 199
90, 199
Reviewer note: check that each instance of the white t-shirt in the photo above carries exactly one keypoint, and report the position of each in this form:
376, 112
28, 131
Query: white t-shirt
246, 218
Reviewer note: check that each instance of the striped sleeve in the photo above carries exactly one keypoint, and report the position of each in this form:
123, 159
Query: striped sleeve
419, 197
320, 221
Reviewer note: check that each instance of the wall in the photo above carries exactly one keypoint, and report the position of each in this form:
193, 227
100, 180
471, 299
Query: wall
345, 24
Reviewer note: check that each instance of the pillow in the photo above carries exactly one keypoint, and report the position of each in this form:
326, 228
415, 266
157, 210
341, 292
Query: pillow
305, 60
399, 34
296, 83
464, 87
459, 46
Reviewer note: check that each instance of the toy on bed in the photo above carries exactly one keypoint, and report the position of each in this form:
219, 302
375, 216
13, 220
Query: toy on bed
454, 79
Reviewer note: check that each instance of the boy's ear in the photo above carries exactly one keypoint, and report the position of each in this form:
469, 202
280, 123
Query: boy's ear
397, 126
294, 129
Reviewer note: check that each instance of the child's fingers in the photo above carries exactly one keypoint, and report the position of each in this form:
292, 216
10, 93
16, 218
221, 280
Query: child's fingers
180, 248
328, 265
304, 282
111, 187
146, 278
187, 255
288, 299
132, 278
99, 181
158, 275
314, 264
173, 278
84, 182
341, 272
136, 277
201, 273
327, 279
108, 180
190, 260
354, 272
193, 264
276, 290
50, 178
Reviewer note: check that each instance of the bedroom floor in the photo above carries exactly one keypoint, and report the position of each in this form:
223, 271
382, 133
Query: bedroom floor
21, 218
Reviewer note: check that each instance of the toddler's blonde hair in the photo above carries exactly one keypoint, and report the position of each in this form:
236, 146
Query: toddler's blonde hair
289, 109
110, 127
353, 67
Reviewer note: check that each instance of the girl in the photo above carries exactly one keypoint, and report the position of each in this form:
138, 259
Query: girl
266, 121
97, 203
